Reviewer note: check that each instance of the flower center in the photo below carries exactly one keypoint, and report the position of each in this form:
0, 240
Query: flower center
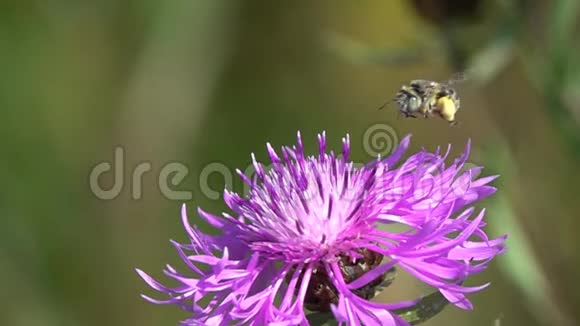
321, 293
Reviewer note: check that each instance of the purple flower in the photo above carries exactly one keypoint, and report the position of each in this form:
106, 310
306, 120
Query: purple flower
317, 232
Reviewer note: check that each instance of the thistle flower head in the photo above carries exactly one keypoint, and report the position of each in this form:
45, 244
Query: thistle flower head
315, 232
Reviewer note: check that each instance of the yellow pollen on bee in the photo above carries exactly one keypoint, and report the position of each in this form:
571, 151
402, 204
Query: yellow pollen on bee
446, 108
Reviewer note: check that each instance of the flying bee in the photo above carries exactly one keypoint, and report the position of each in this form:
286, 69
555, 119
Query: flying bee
429, 98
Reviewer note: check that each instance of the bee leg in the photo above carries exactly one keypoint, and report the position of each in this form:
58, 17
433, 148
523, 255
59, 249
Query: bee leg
387, 103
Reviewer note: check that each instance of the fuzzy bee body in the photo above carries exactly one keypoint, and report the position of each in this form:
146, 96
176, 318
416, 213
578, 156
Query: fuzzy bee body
427, 98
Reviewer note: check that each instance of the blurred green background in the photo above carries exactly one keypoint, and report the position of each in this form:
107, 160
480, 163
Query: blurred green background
202, 82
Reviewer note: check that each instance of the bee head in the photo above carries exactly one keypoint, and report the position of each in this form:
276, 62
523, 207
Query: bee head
414, 103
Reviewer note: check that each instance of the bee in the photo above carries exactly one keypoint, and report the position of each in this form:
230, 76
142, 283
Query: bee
429, 98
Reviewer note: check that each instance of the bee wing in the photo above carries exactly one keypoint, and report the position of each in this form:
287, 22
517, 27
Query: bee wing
457, 77
420, 82
420, 85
